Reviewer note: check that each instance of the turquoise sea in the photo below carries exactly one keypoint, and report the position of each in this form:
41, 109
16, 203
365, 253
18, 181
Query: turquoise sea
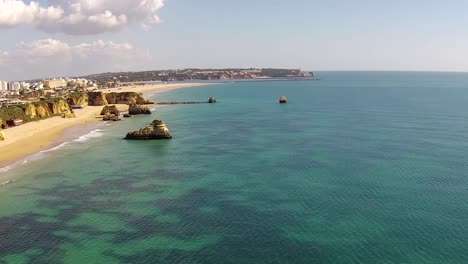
358, 167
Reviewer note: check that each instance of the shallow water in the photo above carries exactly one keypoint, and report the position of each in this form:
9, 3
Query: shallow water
356, 168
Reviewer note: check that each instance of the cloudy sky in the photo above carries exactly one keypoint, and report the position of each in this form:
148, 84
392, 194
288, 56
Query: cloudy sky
73, 37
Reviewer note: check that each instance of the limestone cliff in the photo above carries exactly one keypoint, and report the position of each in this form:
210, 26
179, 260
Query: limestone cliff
102, 99
59, 106
127, 98
110, 109
78, 99
2, 135
97, 99
134, 109
38, 110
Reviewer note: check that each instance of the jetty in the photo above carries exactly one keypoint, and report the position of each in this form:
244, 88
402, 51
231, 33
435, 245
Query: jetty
212, 100
177, 103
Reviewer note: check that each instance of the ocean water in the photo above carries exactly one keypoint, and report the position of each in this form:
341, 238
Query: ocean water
356, 168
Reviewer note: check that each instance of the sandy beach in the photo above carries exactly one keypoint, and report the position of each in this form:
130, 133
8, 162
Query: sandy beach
33, 137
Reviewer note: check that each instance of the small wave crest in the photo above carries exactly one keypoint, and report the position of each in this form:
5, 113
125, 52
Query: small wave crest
93, 134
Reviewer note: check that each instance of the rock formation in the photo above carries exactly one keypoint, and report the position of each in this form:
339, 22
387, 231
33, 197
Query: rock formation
156, 130
101, 99
37, 110
212, 100
78, 99
127, 98
97, 99
46, 109
59, 106
135, 109
2, 135
68, 114
283, 100
111, 109
110, 117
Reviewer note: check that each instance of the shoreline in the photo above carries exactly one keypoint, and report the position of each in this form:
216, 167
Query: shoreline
34, 137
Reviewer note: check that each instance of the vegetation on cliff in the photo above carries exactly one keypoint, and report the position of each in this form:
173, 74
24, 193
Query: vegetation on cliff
78, 99
35, 111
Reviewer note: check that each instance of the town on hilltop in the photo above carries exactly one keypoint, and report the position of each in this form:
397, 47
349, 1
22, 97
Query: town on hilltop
16, 93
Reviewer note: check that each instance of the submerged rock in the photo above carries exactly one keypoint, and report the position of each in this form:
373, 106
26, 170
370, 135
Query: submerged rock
156, 130
212, 100
111, 109
283, 100
135, 109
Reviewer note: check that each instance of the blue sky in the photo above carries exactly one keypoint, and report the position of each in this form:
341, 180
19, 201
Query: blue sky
314, 35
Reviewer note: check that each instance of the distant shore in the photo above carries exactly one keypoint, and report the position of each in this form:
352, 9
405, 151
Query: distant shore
33, 137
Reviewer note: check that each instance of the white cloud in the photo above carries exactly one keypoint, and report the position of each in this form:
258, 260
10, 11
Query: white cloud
80, 17
54, 58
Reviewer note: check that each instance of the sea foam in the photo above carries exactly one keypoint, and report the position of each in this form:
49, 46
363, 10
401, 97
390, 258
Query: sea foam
93, 134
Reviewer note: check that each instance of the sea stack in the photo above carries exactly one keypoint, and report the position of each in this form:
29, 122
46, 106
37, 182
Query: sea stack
156, 130
135, 109
111, 109
283, 100
212, 100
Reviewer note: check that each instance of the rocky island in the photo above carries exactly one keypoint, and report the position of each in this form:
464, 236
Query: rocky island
156, 130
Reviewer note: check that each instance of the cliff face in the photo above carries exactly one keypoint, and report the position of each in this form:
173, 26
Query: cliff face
38, 110
97, 99
2, 135
134, 109
78, 99
103, 99
34, 111
59, 106
127, 98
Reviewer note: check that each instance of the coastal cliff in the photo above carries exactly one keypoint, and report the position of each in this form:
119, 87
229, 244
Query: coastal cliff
97, 99
127, 98
103, 99
35, 111
78, 99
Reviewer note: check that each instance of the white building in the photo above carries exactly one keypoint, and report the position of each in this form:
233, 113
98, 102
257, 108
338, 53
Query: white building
15, 86
3, 86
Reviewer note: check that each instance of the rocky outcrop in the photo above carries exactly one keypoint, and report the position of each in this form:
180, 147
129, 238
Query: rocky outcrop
111, 109
78, 99
283, 100
59, 106
101, 99
68, 114
135, 109
2, 135
97, 99
110, 117
156, 130
212, 100
46, 109
127, 98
